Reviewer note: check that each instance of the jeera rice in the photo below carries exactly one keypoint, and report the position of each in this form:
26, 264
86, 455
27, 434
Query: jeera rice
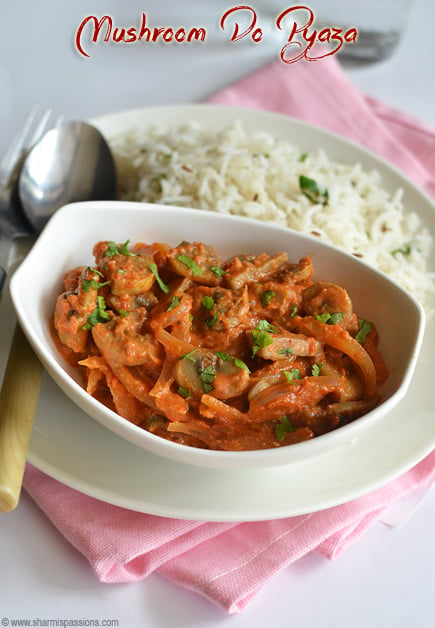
255, 174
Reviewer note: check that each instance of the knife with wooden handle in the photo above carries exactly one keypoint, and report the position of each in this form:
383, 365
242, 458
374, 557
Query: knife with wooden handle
18, 400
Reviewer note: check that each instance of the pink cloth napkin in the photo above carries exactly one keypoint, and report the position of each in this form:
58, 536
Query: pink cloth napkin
125, 546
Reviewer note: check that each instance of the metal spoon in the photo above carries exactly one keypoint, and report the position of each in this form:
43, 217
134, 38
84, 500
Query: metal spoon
70, 163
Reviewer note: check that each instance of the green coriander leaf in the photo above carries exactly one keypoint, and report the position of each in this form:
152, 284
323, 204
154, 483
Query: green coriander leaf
93, 283
99, 315
405, 250
264, 325
324, 317
266, 296
184, 392
261, 336
189, 355
223, 355
210, 322
116, 249
312, 190
291, 375
335, 318
175, 302
155, 272
191, 264
293, 310
96, 271
286, 351
241, 365
207, 376
218, 271
112, 249
330, 319
283, 427
123, 312
124, 249
261, 339
364, 328
208, 302
315, 371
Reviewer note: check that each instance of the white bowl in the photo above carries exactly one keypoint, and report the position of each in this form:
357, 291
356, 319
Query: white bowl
68, 239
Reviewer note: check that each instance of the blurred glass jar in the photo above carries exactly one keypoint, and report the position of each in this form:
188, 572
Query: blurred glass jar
380, 24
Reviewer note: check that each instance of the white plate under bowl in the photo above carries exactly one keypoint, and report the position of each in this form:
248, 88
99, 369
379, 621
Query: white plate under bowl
73, 448
374, 296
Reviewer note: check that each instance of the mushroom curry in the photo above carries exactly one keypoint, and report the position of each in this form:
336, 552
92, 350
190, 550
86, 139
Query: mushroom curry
242, 354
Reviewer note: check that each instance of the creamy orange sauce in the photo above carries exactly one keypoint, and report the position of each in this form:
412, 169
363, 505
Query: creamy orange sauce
238, 354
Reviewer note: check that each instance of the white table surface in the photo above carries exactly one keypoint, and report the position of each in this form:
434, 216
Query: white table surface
387, 578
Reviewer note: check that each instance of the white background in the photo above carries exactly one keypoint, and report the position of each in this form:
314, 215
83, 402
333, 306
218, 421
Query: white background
385, 580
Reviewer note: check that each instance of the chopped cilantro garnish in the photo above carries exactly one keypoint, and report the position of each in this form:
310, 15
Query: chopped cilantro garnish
96, 271
261, 336
223, 355
190, 263
117, 249
291, 375
207, 376
404, 250
364, 328
266, 296
175, 302
264, 325
241, 365
283, 427
87, 284
93, 283
312, 190
208, 302
335, 318
218, 271
315, 370
211, 321
189, 355
99, 315
184, 392
122, 312
293, 310
155, 272
330, 319
287, 351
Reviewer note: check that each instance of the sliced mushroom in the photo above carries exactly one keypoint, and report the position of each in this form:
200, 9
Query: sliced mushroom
202, 371
242, 271
196, 261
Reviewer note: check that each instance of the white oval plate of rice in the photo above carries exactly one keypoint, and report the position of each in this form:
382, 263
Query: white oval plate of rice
228, 160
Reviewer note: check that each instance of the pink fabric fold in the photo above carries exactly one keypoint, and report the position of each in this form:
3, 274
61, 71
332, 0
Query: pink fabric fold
228, 563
